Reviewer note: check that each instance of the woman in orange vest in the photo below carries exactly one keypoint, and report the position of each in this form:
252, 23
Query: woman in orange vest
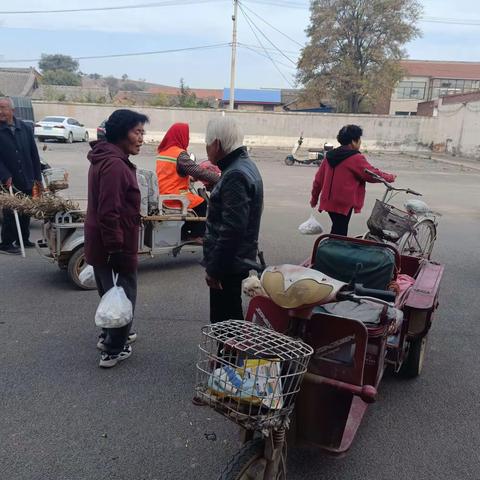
174, 169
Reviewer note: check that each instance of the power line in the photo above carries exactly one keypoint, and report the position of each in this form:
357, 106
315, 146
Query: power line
272, 50
271, 26
256, 50
251, 22
266, 51
164, 3
133, 54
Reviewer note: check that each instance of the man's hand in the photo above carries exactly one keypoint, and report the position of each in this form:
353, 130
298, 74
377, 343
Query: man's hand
213, 282
313, 203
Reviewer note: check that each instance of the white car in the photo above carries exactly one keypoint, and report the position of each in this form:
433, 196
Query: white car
66, 129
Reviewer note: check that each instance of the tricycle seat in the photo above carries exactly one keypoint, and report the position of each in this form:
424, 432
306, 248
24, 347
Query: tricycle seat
369, 313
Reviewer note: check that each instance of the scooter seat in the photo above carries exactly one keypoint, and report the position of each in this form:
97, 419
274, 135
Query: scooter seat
293, 286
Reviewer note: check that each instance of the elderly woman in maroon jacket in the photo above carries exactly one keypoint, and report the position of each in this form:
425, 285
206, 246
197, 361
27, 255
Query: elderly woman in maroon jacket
340, 180
113, 219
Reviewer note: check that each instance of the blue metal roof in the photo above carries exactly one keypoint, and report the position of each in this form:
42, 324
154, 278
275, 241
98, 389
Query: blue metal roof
253, 96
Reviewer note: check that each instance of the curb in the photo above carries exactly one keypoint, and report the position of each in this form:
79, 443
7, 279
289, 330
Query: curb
438, 159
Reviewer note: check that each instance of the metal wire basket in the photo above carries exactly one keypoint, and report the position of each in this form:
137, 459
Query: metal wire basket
56, 179
249, 373
387, 218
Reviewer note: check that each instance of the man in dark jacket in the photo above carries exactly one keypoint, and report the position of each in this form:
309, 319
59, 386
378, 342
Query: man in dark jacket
233, 221
19, 168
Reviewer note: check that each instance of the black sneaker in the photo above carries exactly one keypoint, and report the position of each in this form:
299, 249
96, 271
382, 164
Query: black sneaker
109, 361
9, 249
132, 336
26, 244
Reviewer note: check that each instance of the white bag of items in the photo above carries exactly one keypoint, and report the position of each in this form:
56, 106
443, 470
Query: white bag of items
143, 187
311, 227
152, 185
87, 277
256, 381
115, 309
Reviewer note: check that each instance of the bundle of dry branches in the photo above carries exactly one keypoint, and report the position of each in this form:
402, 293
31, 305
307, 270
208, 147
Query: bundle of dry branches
44, 207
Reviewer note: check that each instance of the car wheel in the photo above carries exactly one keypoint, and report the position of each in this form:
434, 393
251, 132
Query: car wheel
85, 137
70, 138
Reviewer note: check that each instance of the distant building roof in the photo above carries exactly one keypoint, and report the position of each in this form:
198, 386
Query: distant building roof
440, 69
244, 95
19, 82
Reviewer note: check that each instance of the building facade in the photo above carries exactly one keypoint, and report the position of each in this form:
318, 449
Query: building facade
427, 80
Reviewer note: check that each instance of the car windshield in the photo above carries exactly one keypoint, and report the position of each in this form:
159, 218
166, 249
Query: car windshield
54, 119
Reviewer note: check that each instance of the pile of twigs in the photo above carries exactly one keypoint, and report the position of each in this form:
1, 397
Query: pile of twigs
44, 207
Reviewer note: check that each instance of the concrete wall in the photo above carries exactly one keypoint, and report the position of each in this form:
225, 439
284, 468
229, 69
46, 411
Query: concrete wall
458, 129
266, 128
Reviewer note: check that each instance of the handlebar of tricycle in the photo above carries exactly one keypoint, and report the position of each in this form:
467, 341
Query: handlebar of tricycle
368, 393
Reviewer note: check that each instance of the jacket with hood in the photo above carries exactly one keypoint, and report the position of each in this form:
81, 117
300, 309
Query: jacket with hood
340, 181
113, 212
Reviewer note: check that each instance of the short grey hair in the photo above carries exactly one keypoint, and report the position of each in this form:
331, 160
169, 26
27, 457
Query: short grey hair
227, 131
9, 100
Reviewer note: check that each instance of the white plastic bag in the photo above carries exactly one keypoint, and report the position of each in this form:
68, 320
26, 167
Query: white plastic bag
311, 227
87, 277
115, 309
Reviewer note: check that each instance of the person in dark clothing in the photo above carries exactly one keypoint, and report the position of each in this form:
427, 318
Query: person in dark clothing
19, 168
233, 220
113, 221
340, 180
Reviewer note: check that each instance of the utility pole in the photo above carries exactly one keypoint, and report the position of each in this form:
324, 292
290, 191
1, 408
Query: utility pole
234, 56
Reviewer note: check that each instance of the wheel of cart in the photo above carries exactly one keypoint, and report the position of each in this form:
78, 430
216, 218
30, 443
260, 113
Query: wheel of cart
76, 264
251, 375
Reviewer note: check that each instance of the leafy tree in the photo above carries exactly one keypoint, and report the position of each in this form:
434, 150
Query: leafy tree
187, 99
112, 84
354, 48
124, 77
61, 77
94, 76
57, 62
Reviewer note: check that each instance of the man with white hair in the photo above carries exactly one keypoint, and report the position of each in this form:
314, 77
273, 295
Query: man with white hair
20, 168
233, 220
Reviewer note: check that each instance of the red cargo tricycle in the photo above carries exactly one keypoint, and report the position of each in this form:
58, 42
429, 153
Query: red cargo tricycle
316, 342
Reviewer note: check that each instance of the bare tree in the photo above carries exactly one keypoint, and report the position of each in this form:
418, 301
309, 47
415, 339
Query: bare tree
354, 50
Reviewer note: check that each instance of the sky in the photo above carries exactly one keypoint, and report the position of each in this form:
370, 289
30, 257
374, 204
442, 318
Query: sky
197, 23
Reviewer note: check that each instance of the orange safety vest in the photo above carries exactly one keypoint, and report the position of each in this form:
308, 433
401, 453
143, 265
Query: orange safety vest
170, 182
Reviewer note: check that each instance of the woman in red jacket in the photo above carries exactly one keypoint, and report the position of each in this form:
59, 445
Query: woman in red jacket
340, 180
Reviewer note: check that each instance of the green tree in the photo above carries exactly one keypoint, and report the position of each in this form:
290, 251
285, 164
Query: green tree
61, 77
354, 49
112, 84
187, 99
57, 62
159, 100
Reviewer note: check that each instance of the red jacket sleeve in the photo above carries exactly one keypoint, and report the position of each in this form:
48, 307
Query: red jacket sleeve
362, 164
318, 183
112, 184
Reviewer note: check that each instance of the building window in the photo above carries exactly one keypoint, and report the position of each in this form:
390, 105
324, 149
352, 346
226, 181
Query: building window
268, 108
403, 114
451, 86
411, 90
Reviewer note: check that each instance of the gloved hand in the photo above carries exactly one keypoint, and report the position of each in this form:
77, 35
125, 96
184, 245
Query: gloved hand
8, 182
117, 261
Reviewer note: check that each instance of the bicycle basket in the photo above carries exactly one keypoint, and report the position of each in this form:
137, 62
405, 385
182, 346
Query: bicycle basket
250, 374
385, 217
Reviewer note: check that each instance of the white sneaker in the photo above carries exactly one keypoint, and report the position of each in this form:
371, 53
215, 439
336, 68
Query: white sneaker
109, 361
132, 336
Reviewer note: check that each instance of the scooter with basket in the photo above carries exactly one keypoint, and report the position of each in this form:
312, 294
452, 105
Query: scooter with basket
316, 342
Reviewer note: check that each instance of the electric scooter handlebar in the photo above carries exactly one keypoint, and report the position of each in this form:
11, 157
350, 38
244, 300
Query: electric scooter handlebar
361, 293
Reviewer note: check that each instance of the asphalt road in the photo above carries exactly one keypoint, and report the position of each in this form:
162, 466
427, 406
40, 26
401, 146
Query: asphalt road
63, 418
